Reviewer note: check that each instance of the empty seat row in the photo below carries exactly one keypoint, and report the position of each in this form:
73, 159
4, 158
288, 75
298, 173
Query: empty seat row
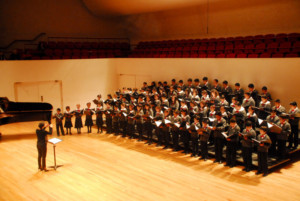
211, 55
84, 52
269, 38
84, 45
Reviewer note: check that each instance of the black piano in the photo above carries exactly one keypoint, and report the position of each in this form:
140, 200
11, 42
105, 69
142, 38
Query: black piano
11, 112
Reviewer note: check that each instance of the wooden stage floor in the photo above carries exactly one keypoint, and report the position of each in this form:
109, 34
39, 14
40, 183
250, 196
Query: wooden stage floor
108, 167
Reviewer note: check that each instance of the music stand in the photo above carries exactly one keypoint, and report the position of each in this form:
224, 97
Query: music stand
54, 141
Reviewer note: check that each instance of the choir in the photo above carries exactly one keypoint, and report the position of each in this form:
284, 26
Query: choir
196, 114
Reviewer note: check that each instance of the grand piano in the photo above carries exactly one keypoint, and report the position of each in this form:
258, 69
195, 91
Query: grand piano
11, 112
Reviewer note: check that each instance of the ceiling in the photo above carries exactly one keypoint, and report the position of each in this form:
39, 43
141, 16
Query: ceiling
129, 7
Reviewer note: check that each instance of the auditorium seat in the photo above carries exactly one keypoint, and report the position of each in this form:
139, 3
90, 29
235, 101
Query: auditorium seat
67, 52
258, 39
253, 55
293, 37
58, 52
70, 45
284, 47
249, 48
163, 55
35, 58
202, 48
84, 57
296, 47
280, 38
52, 45
194, 55
60, 45
228, 48
185, 55
220, 55
46, 57
260, 48
265, 55
231, 55
56, 57
243, 55
277, 55
291, 55
209, 55
66, 57
171, 55
75, 57
48, 52
272, 47
202, 55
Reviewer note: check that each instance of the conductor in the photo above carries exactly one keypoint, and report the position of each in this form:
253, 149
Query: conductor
42, 139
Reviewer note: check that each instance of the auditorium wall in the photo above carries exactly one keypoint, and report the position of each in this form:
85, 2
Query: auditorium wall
83, 79
217, 18
25, 19
281, 76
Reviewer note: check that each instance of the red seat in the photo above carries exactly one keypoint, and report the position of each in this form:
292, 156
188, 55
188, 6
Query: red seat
285, 47
163, 55
84, 57
241, 55
231, 55
75, 57
85, 52
58, 52
293, 37
239, 47
56, 57
202, 55
277, 55
70, 45
186, 55
46, 58
221, 55
194, 55
86, 45
66, 57
272, 47
194, 49
67, 52
52, 45
35, 58
78, 45
252, 55
249, 48
296, 47
260, 48
178, 55
211, 56
48, 52
171, 55
228, 48
292, 55
265, 55
60, 45
281, 37
202, 48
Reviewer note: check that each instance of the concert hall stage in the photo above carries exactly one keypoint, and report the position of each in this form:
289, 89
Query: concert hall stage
108, 167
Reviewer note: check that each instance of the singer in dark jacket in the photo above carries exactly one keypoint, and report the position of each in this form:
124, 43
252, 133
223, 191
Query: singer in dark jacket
42, 144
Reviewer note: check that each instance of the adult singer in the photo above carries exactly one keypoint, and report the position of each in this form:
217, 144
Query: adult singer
42, 139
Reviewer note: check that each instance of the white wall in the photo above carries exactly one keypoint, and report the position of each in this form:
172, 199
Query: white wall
281, 76
82, 79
